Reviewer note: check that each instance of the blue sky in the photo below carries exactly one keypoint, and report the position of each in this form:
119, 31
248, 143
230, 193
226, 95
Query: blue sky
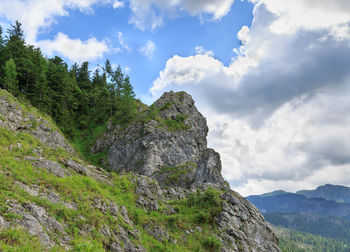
177, 36
270, 76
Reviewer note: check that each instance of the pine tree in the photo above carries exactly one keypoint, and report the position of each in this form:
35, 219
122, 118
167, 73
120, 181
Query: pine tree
2, 42
15, 48
10, 78
16, 32
2, 59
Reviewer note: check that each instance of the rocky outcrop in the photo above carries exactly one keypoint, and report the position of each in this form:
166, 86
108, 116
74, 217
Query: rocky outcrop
19, 118
168, 143
165, 154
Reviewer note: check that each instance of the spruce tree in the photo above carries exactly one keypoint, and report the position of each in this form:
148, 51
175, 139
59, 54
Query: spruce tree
10, 78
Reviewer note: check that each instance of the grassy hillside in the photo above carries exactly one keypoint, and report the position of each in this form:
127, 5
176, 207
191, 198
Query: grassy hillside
23, 183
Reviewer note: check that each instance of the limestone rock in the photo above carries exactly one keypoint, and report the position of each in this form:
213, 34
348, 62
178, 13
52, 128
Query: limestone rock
13, 117
171, 146
52, 167
3, 224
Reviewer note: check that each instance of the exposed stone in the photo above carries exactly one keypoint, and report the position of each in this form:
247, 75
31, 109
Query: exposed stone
29, 223
31, 191
113, 209
169, 163
148, 192
3, 224
76, 166
15, 118
15, 146
177, 157
52, 167
181, 163
105, 231
50, 223
157, 232
125, 216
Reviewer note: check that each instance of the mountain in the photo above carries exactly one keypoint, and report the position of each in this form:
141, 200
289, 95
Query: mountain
340, 194
274, 193
291, 202
297, 241
326, 226
163, 191
311, 219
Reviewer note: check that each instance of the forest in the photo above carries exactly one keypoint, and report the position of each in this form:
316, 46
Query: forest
80, 101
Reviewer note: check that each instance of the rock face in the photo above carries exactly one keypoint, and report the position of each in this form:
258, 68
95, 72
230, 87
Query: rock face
169, 144
17, 118
62, 201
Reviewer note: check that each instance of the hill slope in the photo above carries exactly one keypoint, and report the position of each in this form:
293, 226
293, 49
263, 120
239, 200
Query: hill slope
296, 241
340, 194
322, 224
51, 199
291, 202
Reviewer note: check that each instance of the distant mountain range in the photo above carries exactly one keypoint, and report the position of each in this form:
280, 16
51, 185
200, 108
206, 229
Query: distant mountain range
329, 200
324, 211
340, 194
296, 203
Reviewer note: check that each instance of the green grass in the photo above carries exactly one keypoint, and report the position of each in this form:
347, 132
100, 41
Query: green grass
176, 124
174, 174
18, 240
84, 140
198, 209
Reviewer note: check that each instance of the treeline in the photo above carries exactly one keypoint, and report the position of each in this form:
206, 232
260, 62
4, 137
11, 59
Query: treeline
326, 226
73, 96
296, 241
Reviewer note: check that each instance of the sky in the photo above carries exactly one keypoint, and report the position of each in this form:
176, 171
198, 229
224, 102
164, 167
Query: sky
272, 77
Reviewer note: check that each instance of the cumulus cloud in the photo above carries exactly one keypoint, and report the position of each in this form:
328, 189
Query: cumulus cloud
268, 110
309, 15
202, 51
149, 14
31, 14
148, 49
38, 15
74, 49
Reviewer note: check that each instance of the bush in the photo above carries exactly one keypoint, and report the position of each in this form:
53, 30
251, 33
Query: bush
212, 243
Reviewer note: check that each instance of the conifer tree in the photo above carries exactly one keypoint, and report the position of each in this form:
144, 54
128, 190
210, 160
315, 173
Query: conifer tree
10, 78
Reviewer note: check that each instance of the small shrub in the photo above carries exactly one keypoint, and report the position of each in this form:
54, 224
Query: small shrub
212, 243
176, 124
84, 245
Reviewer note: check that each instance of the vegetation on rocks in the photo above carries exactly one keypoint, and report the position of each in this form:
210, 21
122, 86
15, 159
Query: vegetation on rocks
81, 192
53, 199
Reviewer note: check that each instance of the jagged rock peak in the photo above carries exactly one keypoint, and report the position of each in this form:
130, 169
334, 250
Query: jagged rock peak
168, 143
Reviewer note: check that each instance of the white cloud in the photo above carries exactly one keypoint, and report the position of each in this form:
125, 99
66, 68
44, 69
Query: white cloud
148, 49
149, 14
309, 15
269, 111
37, 15
33, 14
122, 42
202, 51
118, 4
74, 49
127, 69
